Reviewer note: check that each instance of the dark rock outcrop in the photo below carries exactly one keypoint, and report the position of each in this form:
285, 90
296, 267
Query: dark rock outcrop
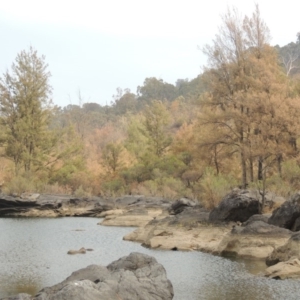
52, 205
44, 205
258, 227
237, 206
287, 214
180, 205
136, 276
140, 201
254, 218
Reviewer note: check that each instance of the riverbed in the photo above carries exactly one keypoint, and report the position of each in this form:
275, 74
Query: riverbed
33, 254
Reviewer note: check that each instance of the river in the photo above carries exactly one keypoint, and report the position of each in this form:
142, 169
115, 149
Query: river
33, 254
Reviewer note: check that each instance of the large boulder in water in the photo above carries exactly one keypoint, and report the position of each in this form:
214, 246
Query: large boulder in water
288, 214
133, 277
239, 205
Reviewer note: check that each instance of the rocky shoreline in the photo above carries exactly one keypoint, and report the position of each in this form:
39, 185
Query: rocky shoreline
235, 228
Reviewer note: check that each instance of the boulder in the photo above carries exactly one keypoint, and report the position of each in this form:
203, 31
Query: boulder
256, 239
254, 218
284, 270
287, 214
238, 205
179, 205
296, 226
291, 249
136, 276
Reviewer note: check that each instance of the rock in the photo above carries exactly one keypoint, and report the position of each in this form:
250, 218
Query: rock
140, 201
255, 240
187, 231
80, 251
137, 276
286, 215
112, 212
179, 205
44, 205
30, 196
36, 205
254, 218
296, 226
135, 217
284, 270
287, 251
236, 206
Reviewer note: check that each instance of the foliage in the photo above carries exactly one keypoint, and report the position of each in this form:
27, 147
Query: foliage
240, 116
25, 111
155, 124
214, 186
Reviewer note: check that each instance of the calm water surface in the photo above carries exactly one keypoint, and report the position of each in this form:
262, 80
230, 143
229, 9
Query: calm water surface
33, 254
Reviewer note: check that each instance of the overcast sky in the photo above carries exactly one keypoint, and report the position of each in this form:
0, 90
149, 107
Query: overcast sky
96, 46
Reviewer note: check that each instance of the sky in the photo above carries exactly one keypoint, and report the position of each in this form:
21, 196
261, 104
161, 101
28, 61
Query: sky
95, 46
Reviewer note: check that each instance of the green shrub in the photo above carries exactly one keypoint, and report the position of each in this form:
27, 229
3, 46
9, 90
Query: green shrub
81, 193
20, 184
214, 187
114, 187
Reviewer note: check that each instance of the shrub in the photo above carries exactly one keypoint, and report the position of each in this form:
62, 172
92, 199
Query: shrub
214, 187
20, 184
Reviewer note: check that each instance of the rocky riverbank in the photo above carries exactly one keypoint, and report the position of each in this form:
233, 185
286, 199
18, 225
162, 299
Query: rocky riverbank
234, 228
136, 276
43, 205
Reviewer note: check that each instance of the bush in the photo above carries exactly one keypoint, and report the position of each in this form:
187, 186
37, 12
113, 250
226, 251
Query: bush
20, 184
114, 187
81, 193
214, 187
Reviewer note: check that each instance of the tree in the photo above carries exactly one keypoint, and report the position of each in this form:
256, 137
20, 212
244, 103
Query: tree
156, 121
25, 110
111, 156
247, 93
289, 56
156, 89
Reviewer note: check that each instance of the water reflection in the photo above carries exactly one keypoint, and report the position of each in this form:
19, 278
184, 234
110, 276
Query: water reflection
19, 283
33, 254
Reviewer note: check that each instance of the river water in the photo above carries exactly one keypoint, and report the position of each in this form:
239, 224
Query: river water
33, 254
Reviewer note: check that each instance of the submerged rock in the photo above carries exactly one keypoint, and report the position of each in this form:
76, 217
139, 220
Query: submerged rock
80, 251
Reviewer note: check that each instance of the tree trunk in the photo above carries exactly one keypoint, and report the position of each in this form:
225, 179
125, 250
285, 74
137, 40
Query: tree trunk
251, 169
244, 169
260, 169
216, 160
279, 160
